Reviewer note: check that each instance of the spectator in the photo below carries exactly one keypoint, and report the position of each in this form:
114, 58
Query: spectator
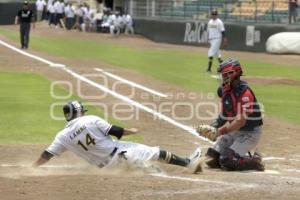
293, 5
113, 26
120, 22
40, 5
79, 18
70, 16
60, 9
97, 21
52, 14
128, 24
49, 3
105, 22
88, 14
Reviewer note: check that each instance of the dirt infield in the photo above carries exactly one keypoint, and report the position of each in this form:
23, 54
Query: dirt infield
70, 178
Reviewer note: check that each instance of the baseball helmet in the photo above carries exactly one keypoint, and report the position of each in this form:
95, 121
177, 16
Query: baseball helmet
230, 70
73, 109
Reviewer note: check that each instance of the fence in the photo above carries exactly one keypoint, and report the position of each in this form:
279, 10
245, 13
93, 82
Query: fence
250, 11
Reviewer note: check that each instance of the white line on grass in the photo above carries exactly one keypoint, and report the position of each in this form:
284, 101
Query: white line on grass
131, 83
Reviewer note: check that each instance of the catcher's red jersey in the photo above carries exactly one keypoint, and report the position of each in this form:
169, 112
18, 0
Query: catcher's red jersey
241, 100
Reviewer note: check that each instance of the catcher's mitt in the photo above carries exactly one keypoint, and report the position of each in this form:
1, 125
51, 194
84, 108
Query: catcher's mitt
208, 132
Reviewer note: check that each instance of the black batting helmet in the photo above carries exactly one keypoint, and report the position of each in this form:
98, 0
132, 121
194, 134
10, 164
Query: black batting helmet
72, 109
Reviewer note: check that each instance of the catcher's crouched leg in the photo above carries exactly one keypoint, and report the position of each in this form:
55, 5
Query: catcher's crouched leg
213, 158
231, 161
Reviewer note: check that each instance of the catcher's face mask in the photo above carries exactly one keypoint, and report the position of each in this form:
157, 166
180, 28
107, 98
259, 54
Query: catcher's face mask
230, 70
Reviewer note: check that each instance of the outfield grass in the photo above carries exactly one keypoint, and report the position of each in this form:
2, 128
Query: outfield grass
25, 102
182, 68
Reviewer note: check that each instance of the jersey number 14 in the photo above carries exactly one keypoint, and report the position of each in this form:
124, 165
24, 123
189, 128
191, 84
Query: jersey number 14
88, 140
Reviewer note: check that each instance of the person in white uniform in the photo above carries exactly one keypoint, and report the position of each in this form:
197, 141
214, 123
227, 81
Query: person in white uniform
89, 137
60, 10
70, 16
40, 5
216, 34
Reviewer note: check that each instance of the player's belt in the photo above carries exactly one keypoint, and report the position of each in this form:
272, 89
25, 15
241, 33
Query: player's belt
113, 152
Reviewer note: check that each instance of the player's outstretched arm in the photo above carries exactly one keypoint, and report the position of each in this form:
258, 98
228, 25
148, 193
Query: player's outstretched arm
45, 157
130, 131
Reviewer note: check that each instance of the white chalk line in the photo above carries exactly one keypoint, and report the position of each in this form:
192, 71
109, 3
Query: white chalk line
131, 83
292, 170
205, 181
198, 190
280, 158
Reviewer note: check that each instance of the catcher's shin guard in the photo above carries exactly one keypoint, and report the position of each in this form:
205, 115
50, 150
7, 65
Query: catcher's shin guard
173, 159
231, 161
213, 158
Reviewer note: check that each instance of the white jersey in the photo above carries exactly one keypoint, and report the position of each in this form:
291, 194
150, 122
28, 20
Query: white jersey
128, 20
69, 11
51, 9
215, 29
40, 5
59, 7
88, 138
49, 3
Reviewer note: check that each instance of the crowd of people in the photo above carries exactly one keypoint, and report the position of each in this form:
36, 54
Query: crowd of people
63, 14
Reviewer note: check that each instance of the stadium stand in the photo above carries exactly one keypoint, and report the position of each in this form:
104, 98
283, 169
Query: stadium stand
256, 11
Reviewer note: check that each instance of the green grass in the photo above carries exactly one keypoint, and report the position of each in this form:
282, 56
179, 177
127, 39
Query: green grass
182, 68
282, 101
25, 102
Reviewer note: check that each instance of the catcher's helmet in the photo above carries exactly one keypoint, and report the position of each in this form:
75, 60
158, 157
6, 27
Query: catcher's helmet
231, 70
73, 109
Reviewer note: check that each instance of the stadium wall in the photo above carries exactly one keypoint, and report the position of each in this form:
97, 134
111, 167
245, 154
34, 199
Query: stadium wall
241, 37
8, 12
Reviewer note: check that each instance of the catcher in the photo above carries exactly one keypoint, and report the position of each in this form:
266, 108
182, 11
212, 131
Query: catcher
237, 130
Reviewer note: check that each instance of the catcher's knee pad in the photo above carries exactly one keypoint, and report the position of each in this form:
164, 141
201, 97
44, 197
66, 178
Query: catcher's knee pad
232, 161
214, 156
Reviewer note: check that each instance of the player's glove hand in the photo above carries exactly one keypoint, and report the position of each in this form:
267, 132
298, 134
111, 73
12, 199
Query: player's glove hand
208, 132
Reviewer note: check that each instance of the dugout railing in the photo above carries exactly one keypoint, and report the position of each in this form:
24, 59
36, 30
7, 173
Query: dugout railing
249, 11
